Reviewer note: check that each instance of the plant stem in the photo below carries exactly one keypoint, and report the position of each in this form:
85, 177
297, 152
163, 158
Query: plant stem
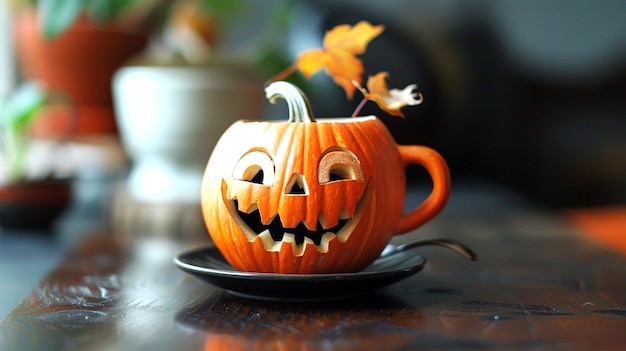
282, 75
358, 108
15, 148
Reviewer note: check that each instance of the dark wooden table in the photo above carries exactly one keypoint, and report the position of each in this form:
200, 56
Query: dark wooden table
538, 285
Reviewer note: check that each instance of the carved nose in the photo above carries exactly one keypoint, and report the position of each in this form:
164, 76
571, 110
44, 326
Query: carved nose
297, 185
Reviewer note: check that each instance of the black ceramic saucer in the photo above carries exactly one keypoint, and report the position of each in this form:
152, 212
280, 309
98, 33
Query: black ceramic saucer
209, 265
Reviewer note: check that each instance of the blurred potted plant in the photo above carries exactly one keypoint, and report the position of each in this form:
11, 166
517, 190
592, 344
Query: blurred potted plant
172, 103
76, 46
27, 200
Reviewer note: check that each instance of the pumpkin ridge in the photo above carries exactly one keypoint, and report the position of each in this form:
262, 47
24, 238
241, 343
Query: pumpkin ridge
285, 147
363, 137
351, 138
370, 225
310, 149
234, 259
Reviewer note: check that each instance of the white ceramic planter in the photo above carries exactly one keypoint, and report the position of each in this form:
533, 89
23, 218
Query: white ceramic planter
169, 119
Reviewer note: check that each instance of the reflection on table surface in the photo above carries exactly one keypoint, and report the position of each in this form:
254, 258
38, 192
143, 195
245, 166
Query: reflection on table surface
538, 283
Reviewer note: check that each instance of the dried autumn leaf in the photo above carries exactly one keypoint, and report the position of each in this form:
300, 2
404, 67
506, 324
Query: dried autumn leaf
391, 101
341, 45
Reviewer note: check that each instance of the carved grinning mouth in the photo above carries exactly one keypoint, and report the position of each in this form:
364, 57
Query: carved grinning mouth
273, 234
277, 231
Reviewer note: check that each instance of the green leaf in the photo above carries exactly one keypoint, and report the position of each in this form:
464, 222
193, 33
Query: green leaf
23, 105
16, 113
281, 15
57, 15
222, 7
104, 10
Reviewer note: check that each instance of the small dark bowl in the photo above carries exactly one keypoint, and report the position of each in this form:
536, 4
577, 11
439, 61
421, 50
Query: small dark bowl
34, 204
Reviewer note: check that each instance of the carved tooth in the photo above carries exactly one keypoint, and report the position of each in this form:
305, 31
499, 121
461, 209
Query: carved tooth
326, 238
298, 250
346, 231
268, 243
344, 214
253, 207
322, 219
289, 238
250, 235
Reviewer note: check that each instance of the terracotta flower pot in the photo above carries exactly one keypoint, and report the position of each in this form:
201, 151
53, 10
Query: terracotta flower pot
80, 62
33, 204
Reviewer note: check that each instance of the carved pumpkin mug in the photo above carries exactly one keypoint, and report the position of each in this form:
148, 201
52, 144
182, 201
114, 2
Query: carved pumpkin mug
312, 196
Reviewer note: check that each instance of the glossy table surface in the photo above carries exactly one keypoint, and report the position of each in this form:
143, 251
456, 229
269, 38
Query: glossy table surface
538, 284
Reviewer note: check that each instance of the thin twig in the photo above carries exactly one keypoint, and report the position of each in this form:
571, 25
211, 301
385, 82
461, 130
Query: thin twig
360, 107
282, 75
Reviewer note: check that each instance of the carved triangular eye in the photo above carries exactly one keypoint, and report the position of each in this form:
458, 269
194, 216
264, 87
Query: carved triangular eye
337, 165
256, 167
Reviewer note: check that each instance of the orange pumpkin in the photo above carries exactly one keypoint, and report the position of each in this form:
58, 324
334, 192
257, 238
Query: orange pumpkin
308, 196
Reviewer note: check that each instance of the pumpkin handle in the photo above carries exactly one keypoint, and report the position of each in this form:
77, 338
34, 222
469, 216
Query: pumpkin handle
298, 104
434, 203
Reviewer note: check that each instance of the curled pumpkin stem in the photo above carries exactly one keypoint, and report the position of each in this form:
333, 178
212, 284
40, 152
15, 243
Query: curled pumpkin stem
298, 104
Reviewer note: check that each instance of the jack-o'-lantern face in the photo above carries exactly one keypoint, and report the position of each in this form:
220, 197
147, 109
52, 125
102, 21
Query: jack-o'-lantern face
338, 172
